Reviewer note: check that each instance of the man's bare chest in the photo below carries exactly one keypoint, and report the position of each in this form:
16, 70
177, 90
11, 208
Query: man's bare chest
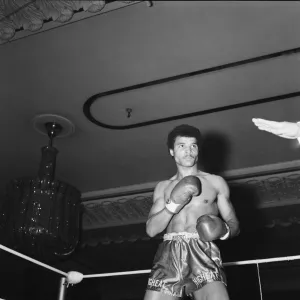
208, 194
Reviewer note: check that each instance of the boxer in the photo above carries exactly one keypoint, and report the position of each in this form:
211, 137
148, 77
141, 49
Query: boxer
195, 210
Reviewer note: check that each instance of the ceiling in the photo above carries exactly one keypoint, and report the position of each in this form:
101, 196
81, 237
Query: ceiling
57, 69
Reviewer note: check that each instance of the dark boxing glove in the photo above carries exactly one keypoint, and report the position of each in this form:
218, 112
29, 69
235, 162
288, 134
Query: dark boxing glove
211, 227
183, 192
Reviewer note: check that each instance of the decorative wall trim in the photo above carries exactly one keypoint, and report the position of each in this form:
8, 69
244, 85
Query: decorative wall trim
277, 185
19, 18
118, 212
96, 237
230, 175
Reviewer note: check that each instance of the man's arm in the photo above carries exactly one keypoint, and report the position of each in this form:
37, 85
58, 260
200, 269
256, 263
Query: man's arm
162, 212
287, 130
159, 216
226, 208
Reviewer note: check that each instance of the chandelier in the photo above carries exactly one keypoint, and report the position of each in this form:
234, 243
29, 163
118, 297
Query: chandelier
41, 216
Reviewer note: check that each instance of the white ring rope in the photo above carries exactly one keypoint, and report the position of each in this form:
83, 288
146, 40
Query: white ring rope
237, 263
261, 261
259, 282
75, 277
117, 274
32, 260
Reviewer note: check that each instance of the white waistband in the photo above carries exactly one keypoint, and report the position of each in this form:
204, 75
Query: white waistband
185, 235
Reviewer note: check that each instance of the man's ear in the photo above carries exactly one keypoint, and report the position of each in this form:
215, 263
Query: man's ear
171, 152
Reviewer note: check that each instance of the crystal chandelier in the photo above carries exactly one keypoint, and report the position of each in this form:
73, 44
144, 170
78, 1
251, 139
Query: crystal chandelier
41, 215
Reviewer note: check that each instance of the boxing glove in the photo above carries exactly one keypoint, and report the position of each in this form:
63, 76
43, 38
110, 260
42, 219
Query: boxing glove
182, 193
211, 228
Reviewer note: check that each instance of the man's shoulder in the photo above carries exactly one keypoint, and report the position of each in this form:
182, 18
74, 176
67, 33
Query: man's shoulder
163, 183
213, 178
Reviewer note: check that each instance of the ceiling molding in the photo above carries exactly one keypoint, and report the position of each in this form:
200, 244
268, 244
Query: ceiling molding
234, 175
271, 188
20, 18
105, 236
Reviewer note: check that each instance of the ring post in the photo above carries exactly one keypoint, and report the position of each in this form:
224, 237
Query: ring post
62, 288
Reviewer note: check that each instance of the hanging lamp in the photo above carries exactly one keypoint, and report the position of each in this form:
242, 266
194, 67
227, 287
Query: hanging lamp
41, 215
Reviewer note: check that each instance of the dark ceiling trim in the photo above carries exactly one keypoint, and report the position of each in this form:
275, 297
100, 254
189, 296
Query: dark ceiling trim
230, 180
88, 104
47, 20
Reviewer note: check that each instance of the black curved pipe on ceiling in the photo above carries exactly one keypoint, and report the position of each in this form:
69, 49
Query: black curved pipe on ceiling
88, 104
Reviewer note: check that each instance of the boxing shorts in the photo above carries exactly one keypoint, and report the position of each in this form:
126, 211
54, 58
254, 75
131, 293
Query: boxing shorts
183, 264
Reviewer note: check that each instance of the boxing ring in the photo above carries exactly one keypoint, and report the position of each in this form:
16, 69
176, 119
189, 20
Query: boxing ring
74, 277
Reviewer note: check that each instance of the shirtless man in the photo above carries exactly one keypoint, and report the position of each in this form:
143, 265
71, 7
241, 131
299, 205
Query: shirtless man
187, 206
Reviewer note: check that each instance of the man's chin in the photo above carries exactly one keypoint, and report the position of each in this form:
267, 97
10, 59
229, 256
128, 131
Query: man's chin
188, 164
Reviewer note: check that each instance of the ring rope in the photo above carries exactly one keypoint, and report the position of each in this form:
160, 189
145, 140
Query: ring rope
237, 263
261, 261
259, 282
33, 260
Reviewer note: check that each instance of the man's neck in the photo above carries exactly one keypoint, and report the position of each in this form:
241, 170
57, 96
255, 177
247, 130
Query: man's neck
186, 171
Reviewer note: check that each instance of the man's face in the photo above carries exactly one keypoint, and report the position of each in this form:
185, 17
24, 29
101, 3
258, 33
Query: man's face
185, 151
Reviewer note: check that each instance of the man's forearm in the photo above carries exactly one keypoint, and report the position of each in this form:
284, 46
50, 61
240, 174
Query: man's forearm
158, 222
234, 227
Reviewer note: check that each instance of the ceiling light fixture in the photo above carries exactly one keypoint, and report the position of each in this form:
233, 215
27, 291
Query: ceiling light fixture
40, 216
